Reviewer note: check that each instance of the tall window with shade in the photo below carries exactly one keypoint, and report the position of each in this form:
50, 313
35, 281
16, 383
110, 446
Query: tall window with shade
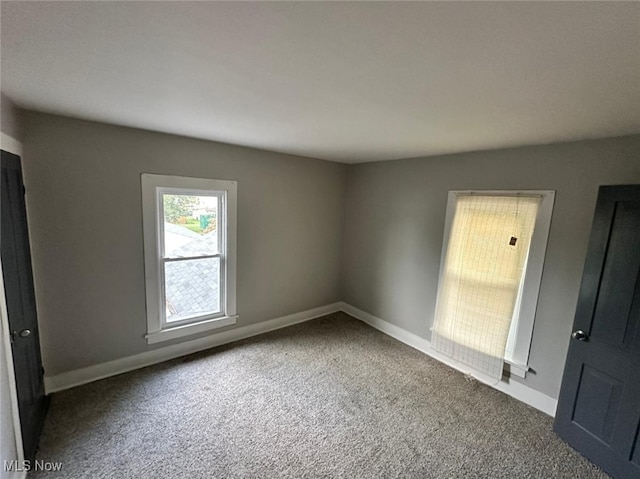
483, 274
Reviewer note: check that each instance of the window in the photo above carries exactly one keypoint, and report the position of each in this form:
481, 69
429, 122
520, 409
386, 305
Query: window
490, 274
190, 255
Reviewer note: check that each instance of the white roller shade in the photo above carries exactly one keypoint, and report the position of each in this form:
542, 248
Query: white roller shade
483, 269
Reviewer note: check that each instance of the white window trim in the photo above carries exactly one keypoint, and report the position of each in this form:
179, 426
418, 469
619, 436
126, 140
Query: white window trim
521, 333
153, 226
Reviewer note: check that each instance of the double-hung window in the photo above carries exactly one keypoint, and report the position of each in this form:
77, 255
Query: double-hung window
190, 254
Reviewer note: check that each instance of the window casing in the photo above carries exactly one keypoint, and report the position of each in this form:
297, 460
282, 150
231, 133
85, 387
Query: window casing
190, 255
521, 330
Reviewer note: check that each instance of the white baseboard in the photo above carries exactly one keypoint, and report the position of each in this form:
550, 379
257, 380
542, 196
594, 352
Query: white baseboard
89, 374
514, 389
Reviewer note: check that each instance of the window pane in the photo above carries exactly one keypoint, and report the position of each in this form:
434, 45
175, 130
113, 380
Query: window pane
192, 287
190, 225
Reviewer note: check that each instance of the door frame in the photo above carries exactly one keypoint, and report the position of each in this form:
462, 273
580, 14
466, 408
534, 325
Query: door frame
10, 145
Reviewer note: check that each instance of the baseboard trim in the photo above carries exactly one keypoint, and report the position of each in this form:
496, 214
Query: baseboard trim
89, 374
514, 389
96, 372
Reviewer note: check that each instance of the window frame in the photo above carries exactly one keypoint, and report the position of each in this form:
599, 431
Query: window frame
521, 332
153, 188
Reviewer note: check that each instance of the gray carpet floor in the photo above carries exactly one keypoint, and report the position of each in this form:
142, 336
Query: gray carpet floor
327, 398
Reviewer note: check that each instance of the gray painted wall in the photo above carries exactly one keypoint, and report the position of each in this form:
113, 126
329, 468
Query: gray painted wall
8, 451
395, 223
83, 193
297, 249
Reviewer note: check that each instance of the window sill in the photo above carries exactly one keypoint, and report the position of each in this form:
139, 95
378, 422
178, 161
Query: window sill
515, 369
189, 329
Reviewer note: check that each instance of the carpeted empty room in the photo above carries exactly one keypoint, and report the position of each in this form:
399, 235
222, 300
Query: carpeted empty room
331, 397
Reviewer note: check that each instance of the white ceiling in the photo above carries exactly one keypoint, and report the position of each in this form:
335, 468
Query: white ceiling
349, 82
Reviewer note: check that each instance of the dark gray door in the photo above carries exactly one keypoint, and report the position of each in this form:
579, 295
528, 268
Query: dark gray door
599, 406
21, 306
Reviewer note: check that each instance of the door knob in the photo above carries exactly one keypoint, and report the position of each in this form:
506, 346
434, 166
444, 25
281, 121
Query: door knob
22, 334
580, 335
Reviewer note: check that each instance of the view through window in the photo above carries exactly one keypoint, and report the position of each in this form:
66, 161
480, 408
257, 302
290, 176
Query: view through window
191, 255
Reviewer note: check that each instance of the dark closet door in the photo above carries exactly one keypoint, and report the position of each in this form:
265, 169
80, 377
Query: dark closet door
599, 406
21, 305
